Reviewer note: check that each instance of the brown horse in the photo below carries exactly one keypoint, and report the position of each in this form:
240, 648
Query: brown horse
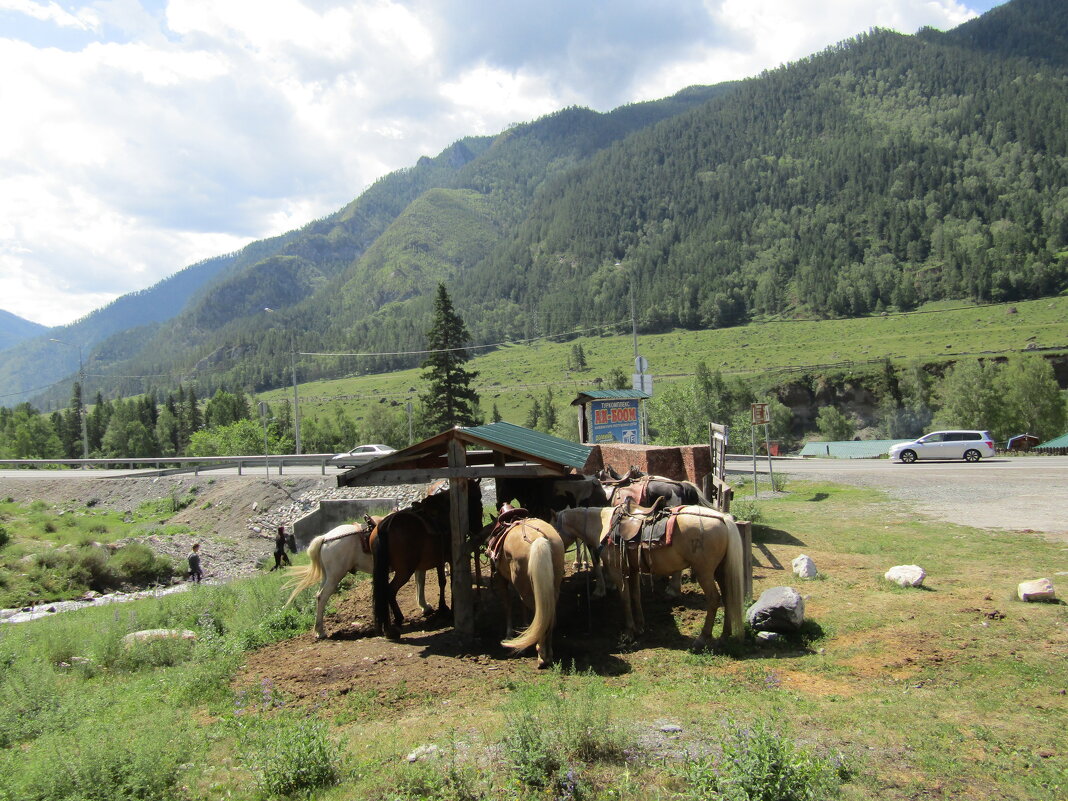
707, 542
528, 554
412, 539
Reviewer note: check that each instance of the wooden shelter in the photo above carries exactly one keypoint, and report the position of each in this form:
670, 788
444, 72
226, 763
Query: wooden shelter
463, 455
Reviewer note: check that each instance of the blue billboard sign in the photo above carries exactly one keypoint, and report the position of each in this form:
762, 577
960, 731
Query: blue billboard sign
615, 421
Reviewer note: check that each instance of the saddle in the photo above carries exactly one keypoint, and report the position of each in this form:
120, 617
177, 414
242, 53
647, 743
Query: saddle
641, 526
506, 520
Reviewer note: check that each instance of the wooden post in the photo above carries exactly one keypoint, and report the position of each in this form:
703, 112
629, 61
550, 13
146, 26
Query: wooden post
745, 528
462, 603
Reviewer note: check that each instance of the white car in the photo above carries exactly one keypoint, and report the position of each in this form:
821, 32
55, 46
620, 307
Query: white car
361, 454
971, 446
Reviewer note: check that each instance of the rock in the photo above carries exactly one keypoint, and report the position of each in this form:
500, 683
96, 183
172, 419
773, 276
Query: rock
1037, 590
906, 575
91, 595
255, 506
768, 637
670, 728
422, 752
780, 609
804, 567
157, 634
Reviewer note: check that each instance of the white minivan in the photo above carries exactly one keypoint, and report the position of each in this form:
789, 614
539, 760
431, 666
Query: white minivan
968, 445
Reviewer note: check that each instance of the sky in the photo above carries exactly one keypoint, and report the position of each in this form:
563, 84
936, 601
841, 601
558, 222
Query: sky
141, 136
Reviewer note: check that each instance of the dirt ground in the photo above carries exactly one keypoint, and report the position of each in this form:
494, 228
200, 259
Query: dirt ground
429, 657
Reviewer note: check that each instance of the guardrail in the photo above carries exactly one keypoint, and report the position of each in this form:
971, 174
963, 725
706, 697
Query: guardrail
173, 465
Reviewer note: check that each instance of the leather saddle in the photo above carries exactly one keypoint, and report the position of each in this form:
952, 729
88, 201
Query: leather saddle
508, 517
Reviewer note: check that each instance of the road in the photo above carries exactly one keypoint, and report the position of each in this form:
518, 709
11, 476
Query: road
1017, 493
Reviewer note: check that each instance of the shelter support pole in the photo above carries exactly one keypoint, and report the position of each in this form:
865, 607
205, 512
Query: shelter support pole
745, 528
462, 600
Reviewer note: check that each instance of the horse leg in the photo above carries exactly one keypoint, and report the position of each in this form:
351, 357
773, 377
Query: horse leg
443, 608
674, 585
400, 578
420, 592
330, 581
501, 585
707, 580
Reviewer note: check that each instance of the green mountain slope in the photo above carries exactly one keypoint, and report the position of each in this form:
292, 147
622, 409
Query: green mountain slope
884, 172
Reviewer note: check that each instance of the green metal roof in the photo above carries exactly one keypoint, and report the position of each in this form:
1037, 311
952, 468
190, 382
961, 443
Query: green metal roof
534, 443
1058, 442
610, 394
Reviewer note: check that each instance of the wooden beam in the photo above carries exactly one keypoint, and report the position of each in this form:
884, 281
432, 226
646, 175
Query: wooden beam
378, 478
463, 611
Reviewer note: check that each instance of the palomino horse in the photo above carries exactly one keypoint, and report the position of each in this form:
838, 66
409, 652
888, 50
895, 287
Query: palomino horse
342, 550
527, 553
707, 542
412, 539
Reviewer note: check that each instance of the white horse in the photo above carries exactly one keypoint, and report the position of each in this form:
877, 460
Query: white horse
334, 555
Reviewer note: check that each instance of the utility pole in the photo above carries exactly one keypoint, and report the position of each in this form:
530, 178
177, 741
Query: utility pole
296, 400
81, 383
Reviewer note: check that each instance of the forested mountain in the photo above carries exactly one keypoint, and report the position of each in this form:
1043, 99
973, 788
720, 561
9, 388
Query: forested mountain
14, 329
883, 172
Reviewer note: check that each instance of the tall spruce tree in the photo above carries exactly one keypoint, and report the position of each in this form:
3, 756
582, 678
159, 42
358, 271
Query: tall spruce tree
449, 399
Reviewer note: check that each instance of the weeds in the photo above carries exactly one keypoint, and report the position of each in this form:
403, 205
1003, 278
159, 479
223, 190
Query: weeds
289, 754
759, 764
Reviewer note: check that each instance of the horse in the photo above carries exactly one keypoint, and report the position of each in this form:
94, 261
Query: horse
645, 490
580, 526
342, 550
544, 496
707, 542
527, 553
412, 539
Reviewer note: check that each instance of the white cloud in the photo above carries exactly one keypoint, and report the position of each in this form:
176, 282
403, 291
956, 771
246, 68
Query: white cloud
85, 19
143, 135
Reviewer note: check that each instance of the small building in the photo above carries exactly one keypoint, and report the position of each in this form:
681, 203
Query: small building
612, 415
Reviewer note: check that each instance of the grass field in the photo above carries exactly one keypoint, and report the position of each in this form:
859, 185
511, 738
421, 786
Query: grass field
953, 691
512, 375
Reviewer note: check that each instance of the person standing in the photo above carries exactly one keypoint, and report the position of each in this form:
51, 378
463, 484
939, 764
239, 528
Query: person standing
280, 555
195, 573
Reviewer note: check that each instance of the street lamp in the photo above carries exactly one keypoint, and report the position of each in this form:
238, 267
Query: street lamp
81, 382
296, 399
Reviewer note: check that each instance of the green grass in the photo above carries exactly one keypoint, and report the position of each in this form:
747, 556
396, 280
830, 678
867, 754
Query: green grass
953, 691
49, 553
514, 374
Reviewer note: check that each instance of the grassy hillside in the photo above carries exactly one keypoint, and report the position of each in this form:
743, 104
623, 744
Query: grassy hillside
511, 375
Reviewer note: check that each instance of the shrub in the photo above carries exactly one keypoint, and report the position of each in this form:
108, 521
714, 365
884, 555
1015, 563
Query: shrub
746, 509
758, 764
99, 764
5, 538
137, 564
288, 755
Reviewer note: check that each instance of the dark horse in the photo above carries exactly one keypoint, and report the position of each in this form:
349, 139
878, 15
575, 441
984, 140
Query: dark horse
646, 490
416, 538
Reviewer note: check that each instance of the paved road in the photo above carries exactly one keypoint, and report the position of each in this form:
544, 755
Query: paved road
1019, 493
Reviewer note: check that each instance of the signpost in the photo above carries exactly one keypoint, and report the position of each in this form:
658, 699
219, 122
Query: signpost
761, 415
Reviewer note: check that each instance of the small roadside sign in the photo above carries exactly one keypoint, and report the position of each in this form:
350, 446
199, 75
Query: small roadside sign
760, 413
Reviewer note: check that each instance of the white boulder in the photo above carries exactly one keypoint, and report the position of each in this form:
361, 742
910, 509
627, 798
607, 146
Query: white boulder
804, 567
906, 575
1037, 590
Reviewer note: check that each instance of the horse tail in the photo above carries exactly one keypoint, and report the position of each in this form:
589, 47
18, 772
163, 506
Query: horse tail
543, 585
733, 578
380, 575
306, 575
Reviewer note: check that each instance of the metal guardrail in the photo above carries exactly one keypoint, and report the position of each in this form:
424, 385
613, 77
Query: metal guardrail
174, 465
